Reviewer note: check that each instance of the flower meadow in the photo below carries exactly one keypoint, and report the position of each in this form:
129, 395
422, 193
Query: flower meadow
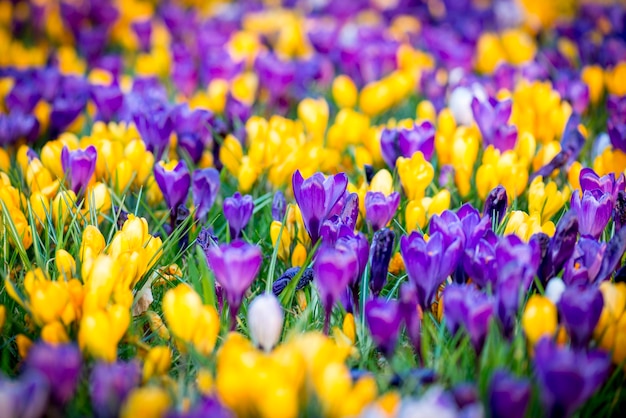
364, 208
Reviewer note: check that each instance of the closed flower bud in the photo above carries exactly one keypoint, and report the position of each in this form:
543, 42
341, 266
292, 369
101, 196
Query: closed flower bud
23, 345
148, 402
54, 333
157, 362
65, 264
157, 325
265, 320
63, 207
539, 318
344, 91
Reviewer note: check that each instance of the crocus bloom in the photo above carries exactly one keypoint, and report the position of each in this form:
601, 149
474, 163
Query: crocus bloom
173, 179
26, 396
411, 316
508, 395
539, 318
60, 364
380, 209
205, 184
350, 210
279, 206
496, 204
334, 269
384, 318
492, 117
584, 264
561, 246
235, 266
238, 211
80, 166
615, 250
580, 308
403, 142
381, 251
480, 263
594, 210
265, 320
359, 245
567, 377
428, 264
316, 196
110, 384
466, 305
589, 181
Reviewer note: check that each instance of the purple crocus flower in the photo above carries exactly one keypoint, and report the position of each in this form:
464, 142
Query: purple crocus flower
402, 142
108, 100
316, 197
480, 263
174, 183
593, 209
153, 120
80, 166
466, 305
589, 181
205, 185
617, 134
496, 204
383, 319
238, 211
23, 97
380, 255
334, 269
580, 308
350, 210
358, 244
568, 377
26, 397
412, 321
560, 247
15, 126
380, 209
60, 364
584, 264
279, 206
110, 384
492, 117
612, 259
508, 395
332, 229
450, 226
428, 264
143, 32
235, 267
192, 129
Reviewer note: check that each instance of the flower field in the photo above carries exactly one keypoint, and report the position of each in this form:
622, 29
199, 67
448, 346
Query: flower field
312, 208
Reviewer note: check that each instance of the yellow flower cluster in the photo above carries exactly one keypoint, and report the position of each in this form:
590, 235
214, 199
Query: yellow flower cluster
294, 239
513, 46
279, 384
190, 321
97, 302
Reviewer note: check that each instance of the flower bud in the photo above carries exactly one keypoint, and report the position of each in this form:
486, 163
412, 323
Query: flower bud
65, 264
265, 319
157, 362
539, 318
